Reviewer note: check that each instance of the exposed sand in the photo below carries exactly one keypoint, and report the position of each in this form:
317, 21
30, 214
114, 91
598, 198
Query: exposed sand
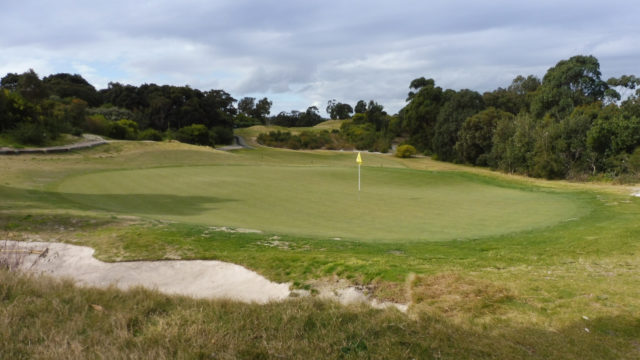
195, 278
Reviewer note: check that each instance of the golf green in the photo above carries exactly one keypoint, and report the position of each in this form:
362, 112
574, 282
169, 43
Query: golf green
323, 201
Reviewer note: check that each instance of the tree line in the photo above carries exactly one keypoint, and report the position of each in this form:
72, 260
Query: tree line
569, 124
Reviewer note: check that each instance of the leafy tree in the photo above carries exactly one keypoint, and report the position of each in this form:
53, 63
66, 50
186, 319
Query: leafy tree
454, 112
361, 107
573, 129
545, 160
262, 109
421, 113
513, 144
337, 110
247, 105
72, 86
10, 82
625, 82
475, 139
257, 110
516, 98
15, 110
417, 84
568, 84
31, 87
376, 115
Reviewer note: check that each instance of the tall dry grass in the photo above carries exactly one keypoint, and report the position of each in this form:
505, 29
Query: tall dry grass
52, 319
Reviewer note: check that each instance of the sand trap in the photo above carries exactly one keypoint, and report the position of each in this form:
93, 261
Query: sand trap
195, 278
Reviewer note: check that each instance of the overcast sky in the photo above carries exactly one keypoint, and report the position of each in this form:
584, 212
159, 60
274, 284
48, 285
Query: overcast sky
304, 52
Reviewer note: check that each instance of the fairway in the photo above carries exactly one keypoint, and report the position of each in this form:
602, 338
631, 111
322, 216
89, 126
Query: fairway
322, 201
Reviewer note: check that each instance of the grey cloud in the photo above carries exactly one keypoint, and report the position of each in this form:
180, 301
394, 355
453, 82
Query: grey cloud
305, 52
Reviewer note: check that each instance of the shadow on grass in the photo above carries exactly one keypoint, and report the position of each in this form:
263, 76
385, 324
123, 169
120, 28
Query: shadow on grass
139, 204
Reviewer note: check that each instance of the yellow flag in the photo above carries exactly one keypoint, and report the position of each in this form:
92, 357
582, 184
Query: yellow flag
359, 159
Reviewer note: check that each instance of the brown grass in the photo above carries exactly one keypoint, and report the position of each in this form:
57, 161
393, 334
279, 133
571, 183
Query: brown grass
453, 295
41, 318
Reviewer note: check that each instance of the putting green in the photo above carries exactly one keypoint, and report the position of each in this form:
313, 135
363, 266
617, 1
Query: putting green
394, 204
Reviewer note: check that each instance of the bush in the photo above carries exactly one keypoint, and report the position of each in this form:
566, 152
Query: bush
196, 134
150, 134
124, 130
97, 124
405, 151
29, 134
222, 135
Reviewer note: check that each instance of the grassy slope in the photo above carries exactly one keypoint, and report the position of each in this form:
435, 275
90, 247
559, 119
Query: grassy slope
252, 132
518, 295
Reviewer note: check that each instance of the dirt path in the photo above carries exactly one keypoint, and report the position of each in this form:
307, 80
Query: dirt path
238, 143
88, 142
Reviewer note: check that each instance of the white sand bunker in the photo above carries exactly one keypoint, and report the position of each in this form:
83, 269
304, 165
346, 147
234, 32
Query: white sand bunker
195, 278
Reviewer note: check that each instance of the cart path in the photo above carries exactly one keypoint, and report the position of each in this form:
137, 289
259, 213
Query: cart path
88, 141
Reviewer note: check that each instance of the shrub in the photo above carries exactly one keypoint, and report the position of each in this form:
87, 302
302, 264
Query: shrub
29, 133
222, 135
150, 134
405, 151
197, 134
123, 129
96, 124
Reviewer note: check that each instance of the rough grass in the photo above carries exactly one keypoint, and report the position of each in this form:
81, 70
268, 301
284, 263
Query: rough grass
564, 291
43, 318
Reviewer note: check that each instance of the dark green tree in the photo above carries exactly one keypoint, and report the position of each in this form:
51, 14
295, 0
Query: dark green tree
337, 110
31, 87
457, 108
68, 86
568, 84
513, 144
475, 139
421, 113
247, 105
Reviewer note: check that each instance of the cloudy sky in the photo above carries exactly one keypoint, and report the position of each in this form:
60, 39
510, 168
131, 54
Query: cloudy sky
304, 52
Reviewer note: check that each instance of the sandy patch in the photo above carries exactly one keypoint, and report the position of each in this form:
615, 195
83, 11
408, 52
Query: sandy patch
195, 278
234, 230
347, 294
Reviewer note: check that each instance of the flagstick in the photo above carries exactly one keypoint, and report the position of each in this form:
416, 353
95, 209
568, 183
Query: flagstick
359, 161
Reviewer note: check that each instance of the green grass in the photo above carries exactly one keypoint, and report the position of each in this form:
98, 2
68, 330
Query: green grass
323, 201
520, 286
